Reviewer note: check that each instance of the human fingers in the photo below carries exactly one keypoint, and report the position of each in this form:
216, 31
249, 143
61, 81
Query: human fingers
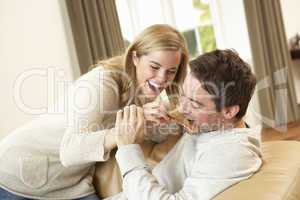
133, 114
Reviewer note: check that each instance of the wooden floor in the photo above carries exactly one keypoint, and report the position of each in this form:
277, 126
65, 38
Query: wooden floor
292, 132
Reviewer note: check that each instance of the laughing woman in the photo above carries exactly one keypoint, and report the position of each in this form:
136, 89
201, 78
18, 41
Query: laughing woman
54, 156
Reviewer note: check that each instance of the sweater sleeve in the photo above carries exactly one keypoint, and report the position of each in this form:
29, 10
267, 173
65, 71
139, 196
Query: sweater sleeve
212, 173
93, 98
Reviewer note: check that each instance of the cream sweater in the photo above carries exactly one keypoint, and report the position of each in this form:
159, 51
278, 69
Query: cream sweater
53, 156
198, 168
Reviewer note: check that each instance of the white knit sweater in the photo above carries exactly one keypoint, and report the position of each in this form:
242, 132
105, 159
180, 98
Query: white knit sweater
53, 156
198, 168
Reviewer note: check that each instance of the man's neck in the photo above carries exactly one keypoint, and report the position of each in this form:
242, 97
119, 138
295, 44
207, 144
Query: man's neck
240, 124
225, 126
233, 124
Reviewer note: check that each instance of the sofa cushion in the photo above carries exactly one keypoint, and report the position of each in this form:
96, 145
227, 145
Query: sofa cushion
279, 177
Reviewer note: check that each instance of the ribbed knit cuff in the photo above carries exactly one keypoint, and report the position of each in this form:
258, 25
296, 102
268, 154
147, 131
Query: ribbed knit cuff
130, 157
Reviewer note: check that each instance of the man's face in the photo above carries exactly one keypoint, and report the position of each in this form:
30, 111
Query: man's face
198, 107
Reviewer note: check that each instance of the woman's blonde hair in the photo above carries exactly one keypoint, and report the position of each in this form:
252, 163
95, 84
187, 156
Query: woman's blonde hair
154, 38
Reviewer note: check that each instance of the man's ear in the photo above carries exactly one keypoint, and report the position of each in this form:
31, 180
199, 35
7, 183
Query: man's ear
135, 58
230, 112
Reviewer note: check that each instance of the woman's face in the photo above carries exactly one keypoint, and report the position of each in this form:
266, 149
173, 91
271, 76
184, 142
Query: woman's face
156, 70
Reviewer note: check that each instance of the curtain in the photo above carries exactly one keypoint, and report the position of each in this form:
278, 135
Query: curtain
272, 62
96, 30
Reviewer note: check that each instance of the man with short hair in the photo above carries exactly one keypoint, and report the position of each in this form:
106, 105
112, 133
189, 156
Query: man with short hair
216, 94
217, 90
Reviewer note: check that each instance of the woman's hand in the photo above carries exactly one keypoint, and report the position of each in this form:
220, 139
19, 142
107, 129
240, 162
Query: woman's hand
156, 112
129, 125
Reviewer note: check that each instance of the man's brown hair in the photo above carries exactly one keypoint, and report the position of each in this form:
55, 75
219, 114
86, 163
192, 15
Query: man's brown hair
227, 77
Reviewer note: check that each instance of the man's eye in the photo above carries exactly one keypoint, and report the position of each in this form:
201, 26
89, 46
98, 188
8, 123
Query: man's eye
196, 105
154, 67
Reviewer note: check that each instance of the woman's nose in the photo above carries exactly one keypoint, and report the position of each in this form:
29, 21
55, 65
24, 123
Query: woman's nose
162, 76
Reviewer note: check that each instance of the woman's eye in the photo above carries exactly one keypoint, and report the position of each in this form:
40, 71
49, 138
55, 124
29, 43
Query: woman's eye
172, 72
154, 67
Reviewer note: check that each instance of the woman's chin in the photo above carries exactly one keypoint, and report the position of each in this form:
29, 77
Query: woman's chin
149, 93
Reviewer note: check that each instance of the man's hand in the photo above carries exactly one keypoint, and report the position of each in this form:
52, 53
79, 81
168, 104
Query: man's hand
130, 125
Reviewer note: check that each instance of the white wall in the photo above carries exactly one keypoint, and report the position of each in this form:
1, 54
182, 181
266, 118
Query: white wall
34, 34
291, 16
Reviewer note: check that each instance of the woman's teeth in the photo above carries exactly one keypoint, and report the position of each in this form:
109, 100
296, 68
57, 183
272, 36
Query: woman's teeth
151, 83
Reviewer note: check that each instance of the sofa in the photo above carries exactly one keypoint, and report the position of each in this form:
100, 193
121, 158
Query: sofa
278, 178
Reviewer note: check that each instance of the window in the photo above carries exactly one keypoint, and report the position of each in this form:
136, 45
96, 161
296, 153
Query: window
191, 17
